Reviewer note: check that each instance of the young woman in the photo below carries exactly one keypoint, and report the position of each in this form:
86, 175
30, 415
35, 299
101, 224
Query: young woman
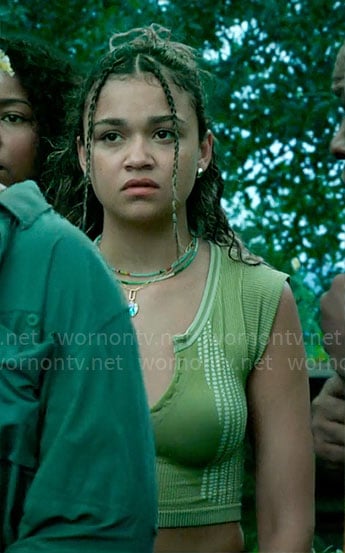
218, 330
33, 96
75, 437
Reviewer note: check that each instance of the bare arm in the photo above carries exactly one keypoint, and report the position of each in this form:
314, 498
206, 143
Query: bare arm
333, 323
279, 406
328, 408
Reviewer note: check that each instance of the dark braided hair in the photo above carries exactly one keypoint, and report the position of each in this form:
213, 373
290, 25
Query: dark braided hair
47, 79
147, 51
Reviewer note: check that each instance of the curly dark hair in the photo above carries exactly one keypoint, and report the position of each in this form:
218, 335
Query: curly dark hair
147, 51
48, 78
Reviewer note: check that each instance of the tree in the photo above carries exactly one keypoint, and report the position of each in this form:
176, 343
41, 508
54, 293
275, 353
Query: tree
270, 99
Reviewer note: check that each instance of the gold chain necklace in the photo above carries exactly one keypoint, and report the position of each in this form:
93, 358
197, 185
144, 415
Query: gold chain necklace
133, 286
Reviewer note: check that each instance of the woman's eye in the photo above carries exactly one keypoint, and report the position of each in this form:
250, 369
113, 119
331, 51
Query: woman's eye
14, 118
103, 135
165, 134
111, 136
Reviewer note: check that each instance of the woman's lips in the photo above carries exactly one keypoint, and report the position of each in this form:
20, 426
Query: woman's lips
140, 183
140, 187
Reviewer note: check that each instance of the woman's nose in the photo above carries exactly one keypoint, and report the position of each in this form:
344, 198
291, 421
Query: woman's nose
139, 153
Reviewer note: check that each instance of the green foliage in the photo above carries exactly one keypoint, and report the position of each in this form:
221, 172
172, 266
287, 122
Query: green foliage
270, 100
307, 302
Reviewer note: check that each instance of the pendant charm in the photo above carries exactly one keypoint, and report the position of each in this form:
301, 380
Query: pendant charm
180, 264
133, 308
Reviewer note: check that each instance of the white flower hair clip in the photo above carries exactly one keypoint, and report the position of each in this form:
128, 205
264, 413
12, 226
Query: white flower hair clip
5, 64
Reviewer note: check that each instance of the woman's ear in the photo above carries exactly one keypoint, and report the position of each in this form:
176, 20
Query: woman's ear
81, 154
206, 149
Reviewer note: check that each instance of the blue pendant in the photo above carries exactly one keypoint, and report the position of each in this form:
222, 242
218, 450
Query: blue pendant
133, 308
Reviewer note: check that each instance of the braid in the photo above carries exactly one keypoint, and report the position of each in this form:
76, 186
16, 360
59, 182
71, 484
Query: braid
88, 146
158, 74
147, 50
106, 71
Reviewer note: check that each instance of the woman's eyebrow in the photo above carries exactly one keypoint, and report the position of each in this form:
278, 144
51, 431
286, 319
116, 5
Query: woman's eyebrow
10, 101
166, 118
117, 121
111, 121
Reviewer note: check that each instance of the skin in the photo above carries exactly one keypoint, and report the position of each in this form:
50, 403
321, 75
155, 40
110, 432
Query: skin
328, 408
18, 132
333, 322
129, 146
137, 221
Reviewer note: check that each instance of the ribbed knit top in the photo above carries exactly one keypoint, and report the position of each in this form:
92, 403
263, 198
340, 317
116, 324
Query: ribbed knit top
200, 421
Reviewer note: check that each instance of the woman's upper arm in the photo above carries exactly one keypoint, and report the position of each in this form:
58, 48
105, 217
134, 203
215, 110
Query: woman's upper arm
279, 415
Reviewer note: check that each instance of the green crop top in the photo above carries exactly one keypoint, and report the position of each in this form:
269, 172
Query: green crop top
200, 421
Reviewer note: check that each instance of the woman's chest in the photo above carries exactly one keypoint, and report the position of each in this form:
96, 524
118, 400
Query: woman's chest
165, 310
202, 414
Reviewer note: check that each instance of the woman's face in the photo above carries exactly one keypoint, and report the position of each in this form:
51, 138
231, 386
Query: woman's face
18, 132
133, 150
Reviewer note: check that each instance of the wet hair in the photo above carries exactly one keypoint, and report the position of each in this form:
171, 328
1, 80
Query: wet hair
338, 76
147, 51
47, 79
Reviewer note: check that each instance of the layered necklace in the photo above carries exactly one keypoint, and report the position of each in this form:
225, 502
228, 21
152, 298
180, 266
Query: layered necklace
132, 282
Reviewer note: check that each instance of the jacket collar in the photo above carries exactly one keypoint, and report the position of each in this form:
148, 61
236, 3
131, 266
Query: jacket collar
24, 201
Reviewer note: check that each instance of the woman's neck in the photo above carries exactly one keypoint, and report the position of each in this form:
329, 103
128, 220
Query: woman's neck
132, 249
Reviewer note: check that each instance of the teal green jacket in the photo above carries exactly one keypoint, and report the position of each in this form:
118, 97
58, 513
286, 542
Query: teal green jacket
76, 446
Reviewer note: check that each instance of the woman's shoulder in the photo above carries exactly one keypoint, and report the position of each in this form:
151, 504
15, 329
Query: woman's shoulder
250, 270
263, 271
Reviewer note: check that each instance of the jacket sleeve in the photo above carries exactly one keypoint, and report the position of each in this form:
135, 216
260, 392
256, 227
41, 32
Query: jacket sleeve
19, 425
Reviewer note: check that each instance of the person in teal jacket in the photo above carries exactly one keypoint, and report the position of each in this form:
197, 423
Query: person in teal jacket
76, 447
76, 450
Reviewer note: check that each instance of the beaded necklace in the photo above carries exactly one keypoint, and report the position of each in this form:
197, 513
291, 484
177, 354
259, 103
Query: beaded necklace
133, 286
